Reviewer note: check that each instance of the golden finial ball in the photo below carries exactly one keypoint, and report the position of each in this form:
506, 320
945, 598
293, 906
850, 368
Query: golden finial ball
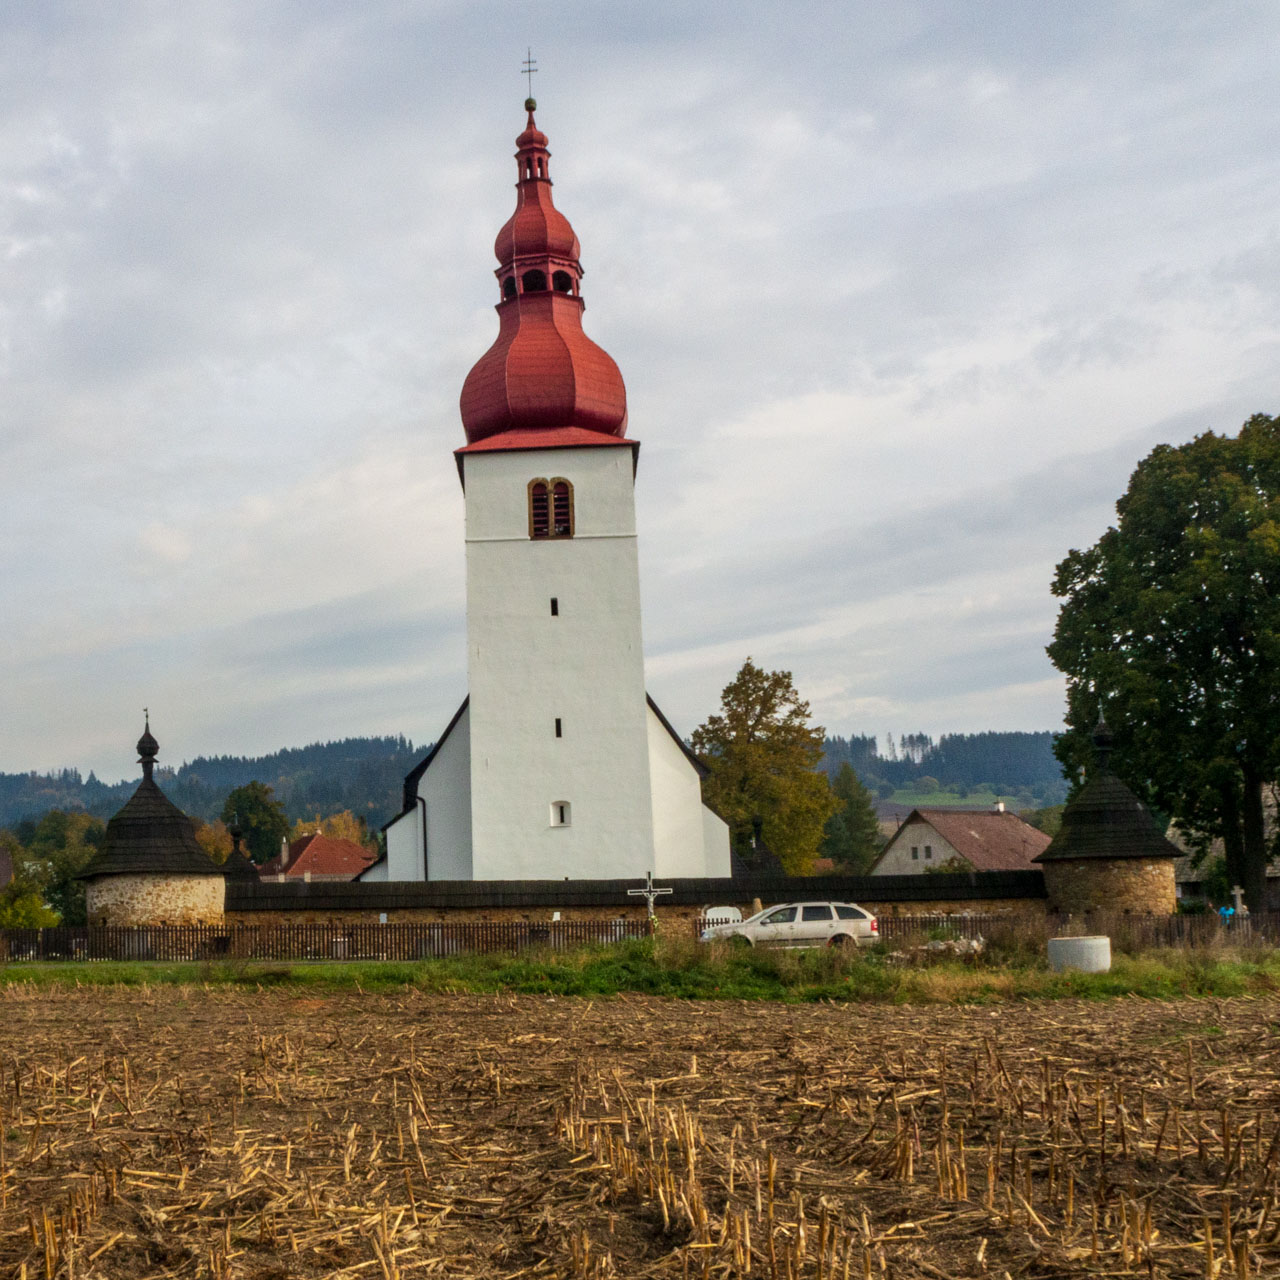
530, 104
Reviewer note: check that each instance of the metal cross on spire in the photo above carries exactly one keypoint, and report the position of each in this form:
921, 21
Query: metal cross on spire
530, 69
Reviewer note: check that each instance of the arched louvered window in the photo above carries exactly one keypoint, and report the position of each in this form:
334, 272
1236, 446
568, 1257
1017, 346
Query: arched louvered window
534, 281
561, 509
562, 282
539, 509
509, 287
550, 509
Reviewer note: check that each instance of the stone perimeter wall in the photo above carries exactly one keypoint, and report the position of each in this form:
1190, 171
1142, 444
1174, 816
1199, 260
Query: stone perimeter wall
1130, 886
1029, 907
155, 899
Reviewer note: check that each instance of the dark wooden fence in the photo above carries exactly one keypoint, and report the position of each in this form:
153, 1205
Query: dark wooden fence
1128, 933
308, 941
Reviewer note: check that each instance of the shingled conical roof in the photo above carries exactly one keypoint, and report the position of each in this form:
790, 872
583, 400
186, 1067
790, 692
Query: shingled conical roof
1106, 820
150, 835
237, 866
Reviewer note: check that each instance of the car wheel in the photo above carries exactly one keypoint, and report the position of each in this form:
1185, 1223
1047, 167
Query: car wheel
840, 941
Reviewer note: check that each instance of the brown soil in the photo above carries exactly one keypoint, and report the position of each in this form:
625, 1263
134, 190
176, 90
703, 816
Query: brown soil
173, 1132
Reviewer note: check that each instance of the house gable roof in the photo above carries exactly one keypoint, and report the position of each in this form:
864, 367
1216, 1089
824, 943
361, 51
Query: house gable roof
987, 841
321, 855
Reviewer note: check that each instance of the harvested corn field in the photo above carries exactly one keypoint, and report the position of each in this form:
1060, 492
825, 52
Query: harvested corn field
222, 1133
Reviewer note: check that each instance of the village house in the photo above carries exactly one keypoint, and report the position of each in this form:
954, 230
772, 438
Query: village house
961, 840
317, 857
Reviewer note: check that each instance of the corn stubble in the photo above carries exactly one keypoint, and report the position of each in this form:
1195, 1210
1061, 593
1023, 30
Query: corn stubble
205, 1133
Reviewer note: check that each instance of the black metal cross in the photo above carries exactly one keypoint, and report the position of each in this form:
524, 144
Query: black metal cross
530, 69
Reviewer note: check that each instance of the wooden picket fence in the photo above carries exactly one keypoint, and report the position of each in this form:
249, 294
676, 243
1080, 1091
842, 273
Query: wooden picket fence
1128, 933
415, 941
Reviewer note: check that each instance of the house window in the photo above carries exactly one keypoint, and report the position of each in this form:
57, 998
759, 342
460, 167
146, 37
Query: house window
558, 733
928, 852
551, 513
555, 606
560, 813
915, 853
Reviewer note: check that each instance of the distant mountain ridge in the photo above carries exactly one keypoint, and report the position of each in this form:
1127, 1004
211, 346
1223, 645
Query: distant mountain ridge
1005, 761
364, 775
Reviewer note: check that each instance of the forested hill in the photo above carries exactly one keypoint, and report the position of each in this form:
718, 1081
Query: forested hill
364, 775
1006, 762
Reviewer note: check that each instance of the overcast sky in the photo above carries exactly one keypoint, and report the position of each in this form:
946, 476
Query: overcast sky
901, 293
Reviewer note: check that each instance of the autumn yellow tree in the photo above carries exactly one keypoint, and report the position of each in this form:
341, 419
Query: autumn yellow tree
214, 838
338, 826
763, 755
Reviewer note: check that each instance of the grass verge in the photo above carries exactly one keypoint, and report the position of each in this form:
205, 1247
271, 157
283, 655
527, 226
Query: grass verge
683, 969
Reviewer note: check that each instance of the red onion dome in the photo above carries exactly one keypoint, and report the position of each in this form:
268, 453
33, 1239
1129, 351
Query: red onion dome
542, 371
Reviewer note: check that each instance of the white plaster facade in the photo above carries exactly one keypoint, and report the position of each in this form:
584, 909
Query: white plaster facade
557, 767
917, 848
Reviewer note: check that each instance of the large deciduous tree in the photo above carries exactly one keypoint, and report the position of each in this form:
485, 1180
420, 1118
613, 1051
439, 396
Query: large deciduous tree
1171, 626
763, 755
261, 817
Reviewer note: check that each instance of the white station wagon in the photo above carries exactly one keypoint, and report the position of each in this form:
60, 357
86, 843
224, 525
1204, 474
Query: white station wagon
803, 924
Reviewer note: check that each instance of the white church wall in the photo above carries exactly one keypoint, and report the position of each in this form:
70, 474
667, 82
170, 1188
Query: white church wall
404, 839
446, 791
677, 806
528, 668
715, 841
378, 872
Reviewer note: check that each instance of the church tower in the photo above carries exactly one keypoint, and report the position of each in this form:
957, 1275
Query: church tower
557, 766
559, 753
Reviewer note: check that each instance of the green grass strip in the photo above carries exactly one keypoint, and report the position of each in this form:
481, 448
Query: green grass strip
685, 970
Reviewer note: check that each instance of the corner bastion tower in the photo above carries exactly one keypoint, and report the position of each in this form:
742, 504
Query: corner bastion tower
557, 765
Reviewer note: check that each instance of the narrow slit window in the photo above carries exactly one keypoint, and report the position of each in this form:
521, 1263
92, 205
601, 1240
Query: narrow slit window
560, 813
559, 734
555, 606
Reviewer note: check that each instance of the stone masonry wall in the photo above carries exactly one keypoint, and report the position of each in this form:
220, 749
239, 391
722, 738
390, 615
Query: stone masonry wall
1034, 907
155, 899
1129, 886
